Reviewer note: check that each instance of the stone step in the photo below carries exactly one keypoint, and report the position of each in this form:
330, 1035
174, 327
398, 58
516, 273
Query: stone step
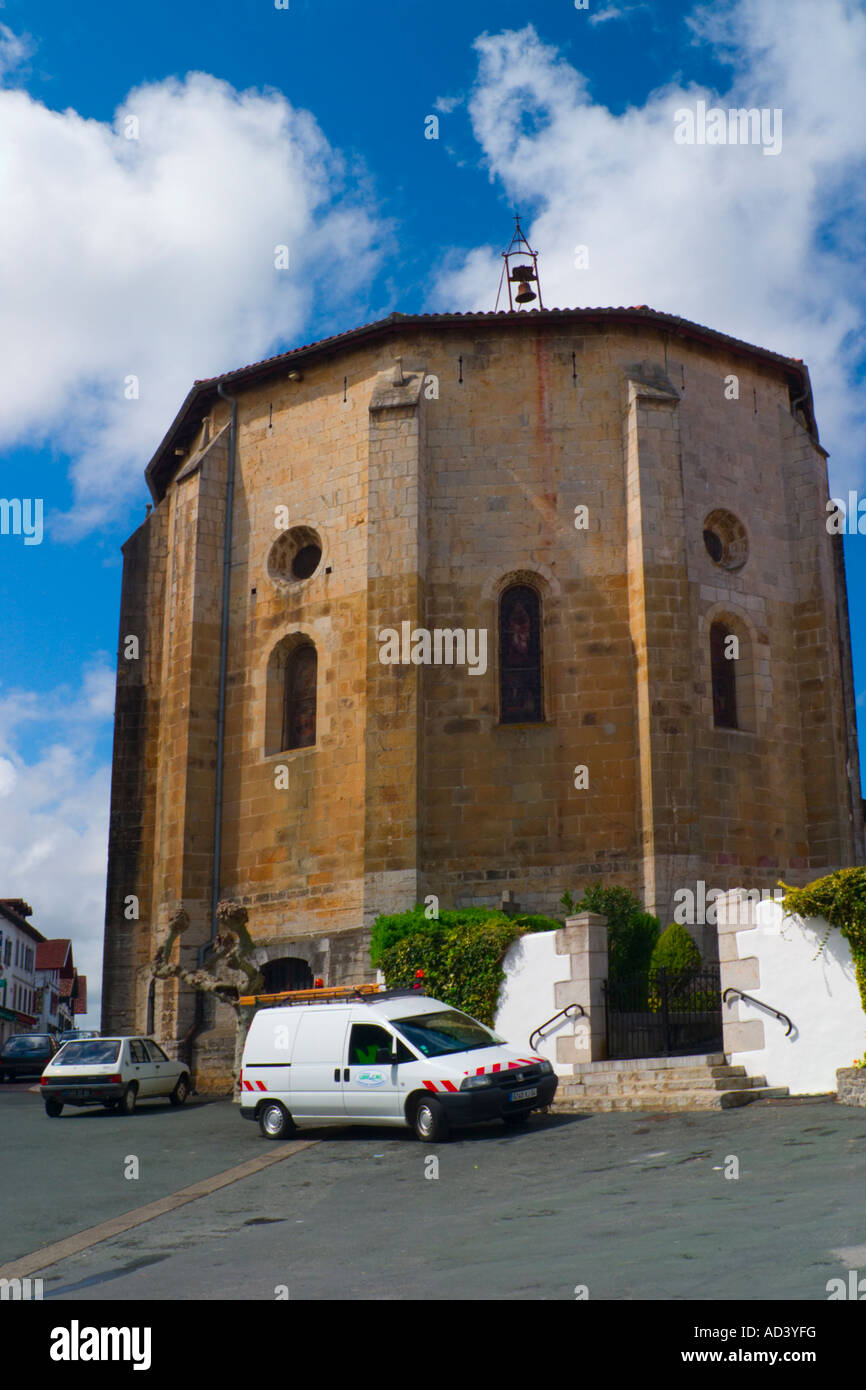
660, 1086
669, 1102
696, 1075
699, 1060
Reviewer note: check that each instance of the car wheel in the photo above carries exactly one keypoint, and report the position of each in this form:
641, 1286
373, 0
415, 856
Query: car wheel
516, 1121
181, 1091
126, 1104
275, 1122
53, 1107
429, 1121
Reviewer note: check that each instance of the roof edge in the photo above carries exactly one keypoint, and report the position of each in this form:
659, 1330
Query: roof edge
204, 392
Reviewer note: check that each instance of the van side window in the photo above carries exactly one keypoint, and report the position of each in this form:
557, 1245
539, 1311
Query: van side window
365, 1041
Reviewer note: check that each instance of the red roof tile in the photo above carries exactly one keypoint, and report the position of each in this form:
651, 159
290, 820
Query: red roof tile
53, 955
79, 1005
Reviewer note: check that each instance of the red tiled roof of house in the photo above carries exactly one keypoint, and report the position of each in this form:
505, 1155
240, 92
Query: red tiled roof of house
53, 955
79, 1004
9, 908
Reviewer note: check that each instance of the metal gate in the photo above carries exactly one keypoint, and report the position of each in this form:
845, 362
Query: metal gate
664, 1013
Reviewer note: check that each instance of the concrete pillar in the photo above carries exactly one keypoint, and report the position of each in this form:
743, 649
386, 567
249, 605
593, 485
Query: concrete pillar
584, 940
742, 1030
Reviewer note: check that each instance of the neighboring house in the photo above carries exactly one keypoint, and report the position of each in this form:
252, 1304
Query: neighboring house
56, 977
19, 942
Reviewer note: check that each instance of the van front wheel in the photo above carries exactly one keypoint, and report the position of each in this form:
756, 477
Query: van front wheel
430, 1122
274, 1121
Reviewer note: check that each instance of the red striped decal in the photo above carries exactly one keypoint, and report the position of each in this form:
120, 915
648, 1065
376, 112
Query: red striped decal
528, 1060
261, 1085
497, 1066
431, 1085
449, 1086
479, 1071
514, 1064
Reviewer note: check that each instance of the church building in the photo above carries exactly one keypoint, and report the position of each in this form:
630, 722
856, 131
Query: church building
477, 608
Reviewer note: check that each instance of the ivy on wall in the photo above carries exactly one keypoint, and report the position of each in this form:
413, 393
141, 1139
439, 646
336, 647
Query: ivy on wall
840, 899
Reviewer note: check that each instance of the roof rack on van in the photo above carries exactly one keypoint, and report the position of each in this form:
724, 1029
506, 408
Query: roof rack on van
311, 996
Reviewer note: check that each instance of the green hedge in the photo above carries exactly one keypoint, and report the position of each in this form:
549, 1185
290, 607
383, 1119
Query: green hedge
631, 932
460, 953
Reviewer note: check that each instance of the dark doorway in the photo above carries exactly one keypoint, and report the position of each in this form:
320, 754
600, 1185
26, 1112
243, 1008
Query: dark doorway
289, 972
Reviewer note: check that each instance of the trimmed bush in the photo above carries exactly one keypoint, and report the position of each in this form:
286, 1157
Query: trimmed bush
677, 955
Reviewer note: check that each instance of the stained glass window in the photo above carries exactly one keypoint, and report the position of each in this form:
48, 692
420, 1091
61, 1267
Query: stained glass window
520, 655
724, 680
299, 709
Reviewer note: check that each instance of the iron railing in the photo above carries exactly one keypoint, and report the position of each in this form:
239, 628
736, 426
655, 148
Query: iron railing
563, 1013
783, 1018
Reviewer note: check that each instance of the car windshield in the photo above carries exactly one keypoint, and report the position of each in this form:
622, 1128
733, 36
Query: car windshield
434, 1035
24, 1045
88, 1054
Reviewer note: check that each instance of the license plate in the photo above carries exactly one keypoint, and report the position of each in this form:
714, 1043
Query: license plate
524, 1095
80, 1095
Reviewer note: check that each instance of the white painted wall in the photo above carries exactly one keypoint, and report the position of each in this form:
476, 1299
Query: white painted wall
819, 996
528, 996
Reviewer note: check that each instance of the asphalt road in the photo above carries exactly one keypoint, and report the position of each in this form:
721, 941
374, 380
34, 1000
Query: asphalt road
631, 1206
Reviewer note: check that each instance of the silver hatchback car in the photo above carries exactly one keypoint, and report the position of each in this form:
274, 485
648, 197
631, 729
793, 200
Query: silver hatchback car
113, 1072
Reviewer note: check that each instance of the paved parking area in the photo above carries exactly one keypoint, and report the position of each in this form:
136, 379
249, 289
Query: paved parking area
631, 1206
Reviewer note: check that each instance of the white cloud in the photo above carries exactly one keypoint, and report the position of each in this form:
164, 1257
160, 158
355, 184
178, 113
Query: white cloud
448, 104
722, 235
54, 816
615, 12
15, 49
154, 258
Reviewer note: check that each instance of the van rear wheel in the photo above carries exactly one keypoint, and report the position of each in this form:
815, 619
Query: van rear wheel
275, 1122
429, 1121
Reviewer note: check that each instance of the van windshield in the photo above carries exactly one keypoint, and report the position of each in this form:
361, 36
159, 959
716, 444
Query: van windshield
434, 1035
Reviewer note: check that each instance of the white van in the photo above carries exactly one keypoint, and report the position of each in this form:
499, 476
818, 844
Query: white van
389, 1059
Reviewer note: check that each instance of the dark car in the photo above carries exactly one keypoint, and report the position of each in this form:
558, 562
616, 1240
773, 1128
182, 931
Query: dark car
25, 1054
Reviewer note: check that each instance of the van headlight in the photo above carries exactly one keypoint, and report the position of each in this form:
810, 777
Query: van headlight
475, 1083
545, 1067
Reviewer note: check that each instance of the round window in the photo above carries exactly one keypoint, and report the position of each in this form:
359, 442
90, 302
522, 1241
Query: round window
725, 540
295, 555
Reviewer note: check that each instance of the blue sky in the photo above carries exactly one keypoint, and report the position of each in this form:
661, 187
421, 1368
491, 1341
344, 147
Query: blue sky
305, 125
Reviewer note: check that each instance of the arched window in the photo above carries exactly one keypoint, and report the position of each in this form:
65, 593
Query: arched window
520, 656
724, 672
299, 698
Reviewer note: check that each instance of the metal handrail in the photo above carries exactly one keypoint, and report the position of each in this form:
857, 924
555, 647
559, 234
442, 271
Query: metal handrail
732, 989
563, 1013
